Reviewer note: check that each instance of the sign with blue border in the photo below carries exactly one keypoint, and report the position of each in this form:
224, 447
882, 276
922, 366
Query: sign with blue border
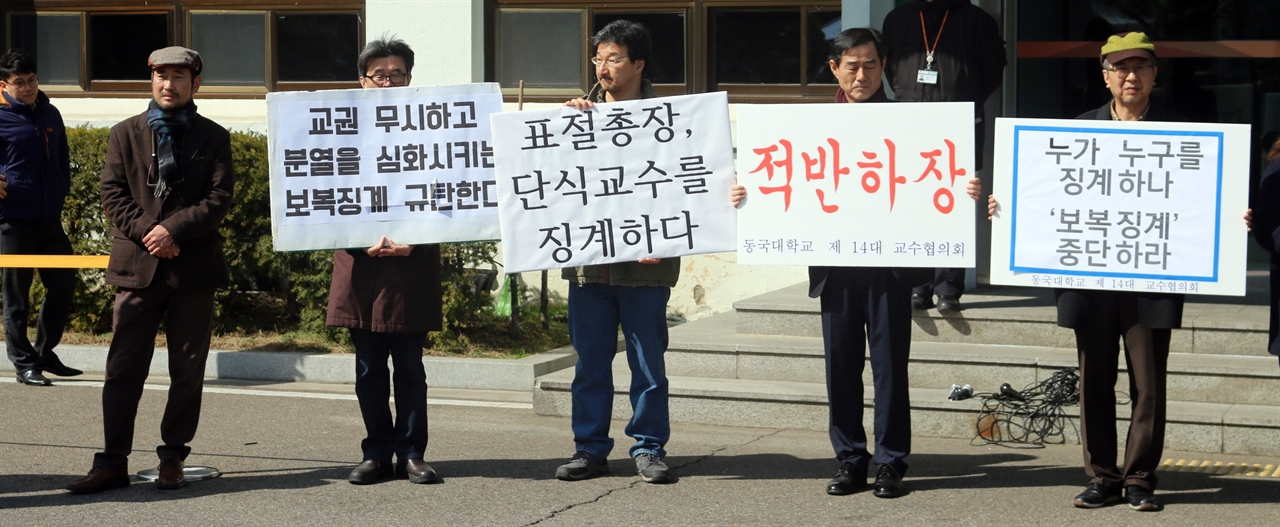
1137, 206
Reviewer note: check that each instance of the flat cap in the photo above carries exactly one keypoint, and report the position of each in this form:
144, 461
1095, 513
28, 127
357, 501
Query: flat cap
1126, 45
176, 56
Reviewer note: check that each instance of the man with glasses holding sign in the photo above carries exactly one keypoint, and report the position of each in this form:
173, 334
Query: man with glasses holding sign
631, 294
1102, 318
389, 297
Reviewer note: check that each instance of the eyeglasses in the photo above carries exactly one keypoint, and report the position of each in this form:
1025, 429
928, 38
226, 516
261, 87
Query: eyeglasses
1124, 71
395, 78
22, 85
612, 62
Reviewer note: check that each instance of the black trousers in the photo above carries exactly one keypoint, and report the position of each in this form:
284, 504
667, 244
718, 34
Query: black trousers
26, 237
1273, 340
407, 436
188, 319
1114, 316
861, 305
947, 281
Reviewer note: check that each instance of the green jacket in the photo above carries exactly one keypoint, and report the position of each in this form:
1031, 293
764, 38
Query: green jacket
628, 274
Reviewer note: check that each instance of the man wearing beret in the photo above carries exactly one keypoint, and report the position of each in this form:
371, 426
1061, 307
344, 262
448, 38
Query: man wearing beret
1101, 319
166, 187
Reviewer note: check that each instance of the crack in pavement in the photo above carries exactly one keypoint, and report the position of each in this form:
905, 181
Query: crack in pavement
639, 481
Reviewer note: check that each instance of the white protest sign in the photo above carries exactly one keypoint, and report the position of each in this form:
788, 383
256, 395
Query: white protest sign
414, 164
1121, 205
638, 179
856, 185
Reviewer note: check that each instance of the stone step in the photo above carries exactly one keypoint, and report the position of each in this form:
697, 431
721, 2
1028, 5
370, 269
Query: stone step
1192, 426
1024, 317
709, 348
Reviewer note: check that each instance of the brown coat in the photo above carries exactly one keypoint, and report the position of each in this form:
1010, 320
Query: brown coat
191, 212
391, 294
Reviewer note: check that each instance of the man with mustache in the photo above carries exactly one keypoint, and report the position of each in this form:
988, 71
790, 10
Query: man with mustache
166, 186
631, 294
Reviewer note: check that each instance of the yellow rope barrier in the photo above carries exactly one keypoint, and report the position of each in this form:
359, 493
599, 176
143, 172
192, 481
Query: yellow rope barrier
41, 261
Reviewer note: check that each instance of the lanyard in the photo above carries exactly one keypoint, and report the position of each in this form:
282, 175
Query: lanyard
927, 49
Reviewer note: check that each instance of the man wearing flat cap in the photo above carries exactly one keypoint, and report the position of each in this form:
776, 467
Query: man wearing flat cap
166, 187
1102, 319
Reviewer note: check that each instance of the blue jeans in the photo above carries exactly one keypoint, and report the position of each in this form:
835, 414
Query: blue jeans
595, 310
407, 437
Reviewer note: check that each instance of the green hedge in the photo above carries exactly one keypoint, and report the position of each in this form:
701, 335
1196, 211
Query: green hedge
270, 291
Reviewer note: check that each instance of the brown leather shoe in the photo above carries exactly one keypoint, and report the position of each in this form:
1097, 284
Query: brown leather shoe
369, 471
98, 480
171, 476
418, 471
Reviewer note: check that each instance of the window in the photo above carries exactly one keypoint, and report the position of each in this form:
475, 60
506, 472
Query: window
249, 47
756, 50
317, 48
54, 40
120, 44
233, 47
542, 48
777, 52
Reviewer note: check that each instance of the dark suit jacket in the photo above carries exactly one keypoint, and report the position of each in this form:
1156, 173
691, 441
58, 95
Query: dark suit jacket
1155, 310
191, 212
907, 277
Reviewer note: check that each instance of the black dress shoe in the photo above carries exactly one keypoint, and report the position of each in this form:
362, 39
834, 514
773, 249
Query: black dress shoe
921, 302
370, 471
33, 377
418, 471
98, 480
56, 367
888, 483
948, 303
1094, 496
1141, 498
848, 481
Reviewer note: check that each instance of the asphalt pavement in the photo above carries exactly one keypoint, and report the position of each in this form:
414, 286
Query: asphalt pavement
285, 450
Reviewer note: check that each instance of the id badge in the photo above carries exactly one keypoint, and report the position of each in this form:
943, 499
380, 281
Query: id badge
926, 77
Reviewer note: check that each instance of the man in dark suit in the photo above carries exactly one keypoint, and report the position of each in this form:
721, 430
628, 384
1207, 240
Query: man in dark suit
867, 304
166, 187
1101, 319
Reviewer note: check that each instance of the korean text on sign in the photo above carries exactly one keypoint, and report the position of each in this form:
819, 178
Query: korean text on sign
858, 184
413, 164
1123, 206
620, 182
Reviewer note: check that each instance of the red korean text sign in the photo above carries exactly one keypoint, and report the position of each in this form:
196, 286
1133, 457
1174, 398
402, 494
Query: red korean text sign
856, 185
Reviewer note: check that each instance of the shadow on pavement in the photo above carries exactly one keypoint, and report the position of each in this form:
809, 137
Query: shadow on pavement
145, 492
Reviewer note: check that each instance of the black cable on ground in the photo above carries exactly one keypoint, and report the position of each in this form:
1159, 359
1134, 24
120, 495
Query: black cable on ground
1031, 417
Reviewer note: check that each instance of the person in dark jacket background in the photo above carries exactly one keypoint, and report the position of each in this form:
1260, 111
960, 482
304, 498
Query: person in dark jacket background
1266, 230
388, 296
35, 176
945, 51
